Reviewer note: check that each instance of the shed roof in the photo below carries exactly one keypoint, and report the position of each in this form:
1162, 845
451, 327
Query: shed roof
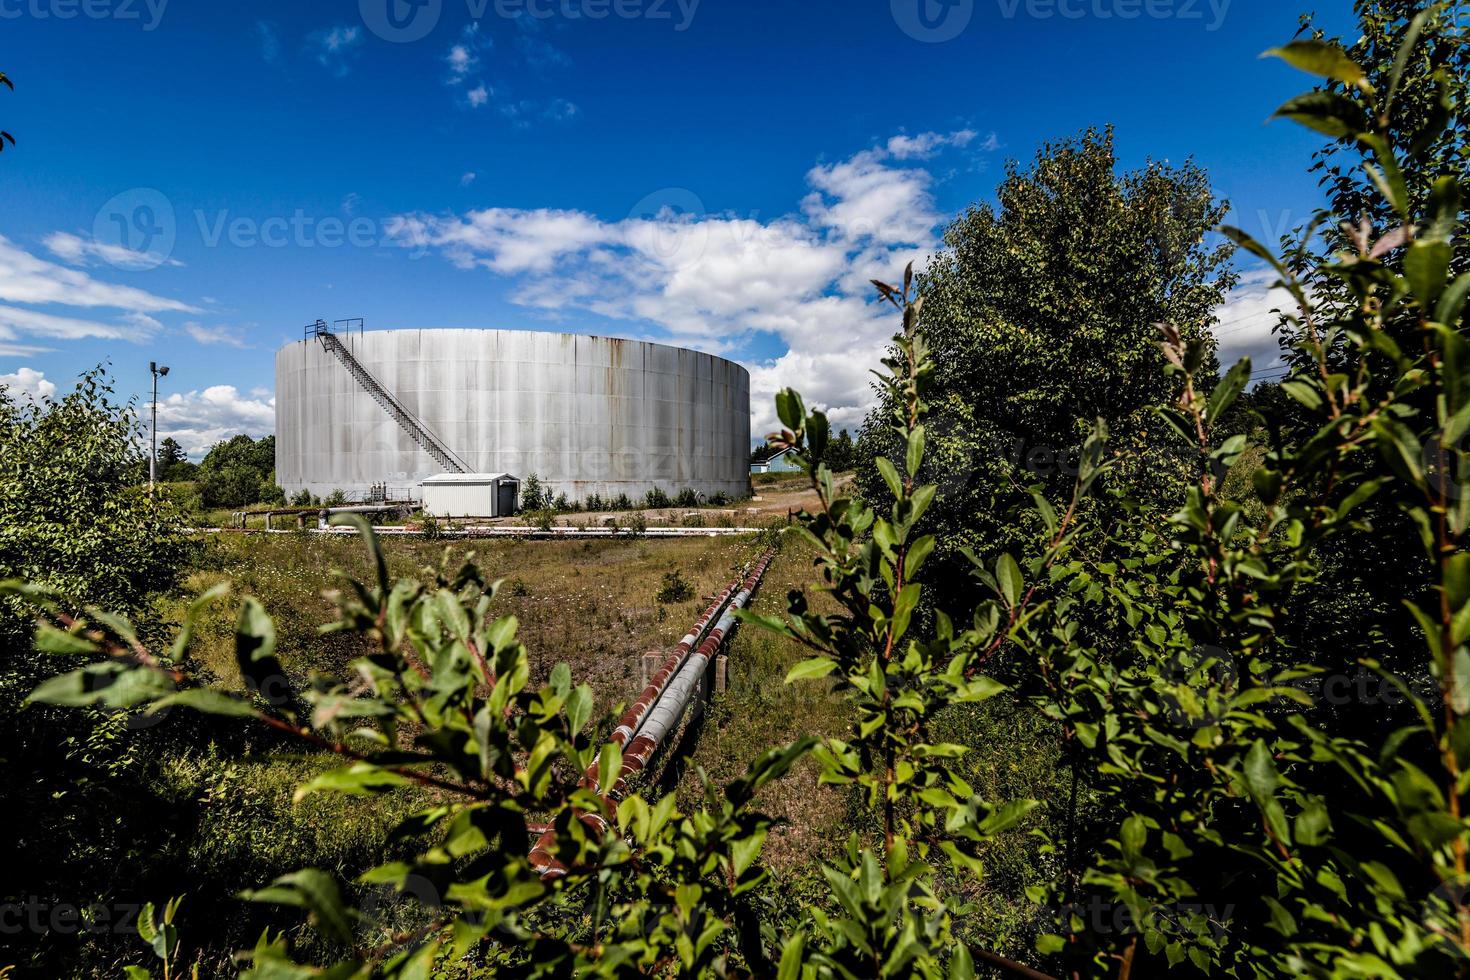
468, 479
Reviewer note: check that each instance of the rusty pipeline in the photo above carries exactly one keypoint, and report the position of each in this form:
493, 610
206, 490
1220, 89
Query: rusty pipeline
661, 705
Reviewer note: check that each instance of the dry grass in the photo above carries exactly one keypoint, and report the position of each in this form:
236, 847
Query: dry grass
591, 604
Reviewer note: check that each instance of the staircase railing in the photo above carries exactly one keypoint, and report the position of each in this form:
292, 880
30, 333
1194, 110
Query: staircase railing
407, 421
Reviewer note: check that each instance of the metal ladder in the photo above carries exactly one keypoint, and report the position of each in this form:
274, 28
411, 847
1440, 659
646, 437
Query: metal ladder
407, 421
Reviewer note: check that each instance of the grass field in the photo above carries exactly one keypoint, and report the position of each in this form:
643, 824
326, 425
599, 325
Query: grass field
590, 604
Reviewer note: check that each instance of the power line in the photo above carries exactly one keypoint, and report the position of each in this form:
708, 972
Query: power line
1248, 316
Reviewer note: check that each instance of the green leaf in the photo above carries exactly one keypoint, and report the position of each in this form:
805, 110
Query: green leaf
186, 634
790, 409
915, 453
1260, 772
255, 646
1329, 113
609, 765
208, 701
792, 956
579, 708
1324, 59
890, 476
358, 779
1461, 692
810, 669
1008, 578
316, 892
49, 639
1426, 266
370, 538
1228, 389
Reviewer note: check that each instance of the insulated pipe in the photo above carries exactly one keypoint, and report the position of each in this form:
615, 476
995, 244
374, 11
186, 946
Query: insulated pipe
652, 724
633, 718
670, 707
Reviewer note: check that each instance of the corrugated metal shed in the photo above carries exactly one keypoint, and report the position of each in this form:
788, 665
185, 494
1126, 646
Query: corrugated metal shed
471, 494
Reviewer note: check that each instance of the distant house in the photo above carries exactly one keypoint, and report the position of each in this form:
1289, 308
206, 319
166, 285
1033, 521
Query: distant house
779, 463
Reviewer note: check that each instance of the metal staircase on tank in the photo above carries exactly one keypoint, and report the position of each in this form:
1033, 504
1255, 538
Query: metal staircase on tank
407, 421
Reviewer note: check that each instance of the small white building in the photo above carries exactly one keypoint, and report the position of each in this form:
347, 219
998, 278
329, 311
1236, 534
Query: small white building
471, 495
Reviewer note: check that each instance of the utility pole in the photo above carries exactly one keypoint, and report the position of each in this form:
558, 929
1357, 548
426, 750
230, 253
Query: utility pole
157, 372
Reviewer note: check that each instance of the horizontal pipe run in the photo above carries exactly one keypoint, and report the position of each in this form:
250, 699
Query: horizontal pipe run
670, 707
633, 718
655, 722
530, 533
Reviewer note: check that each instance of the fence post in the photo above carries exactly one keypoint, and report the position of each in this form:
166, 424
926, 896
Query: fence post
652, 661
722, 674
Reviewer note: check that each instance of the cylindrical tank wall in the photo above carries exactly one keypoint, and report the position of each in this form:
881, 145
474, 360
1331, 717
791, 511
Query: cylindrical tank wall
587, 415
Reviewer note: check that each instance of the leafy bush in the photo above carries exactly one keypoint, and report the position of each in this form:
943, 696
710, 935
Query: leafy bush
594, 502
337, 498
686, 498
239, 472
533, 494
303, 498
1037, 331
620, 502
675, 588
656, 499
1228, 829
74, 520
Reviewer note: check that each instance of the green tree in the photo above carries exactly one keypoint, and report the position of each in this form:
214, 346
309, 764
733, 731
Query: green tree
842, 453
1040, 313
173, 464
73, 520
170, 452
239, 472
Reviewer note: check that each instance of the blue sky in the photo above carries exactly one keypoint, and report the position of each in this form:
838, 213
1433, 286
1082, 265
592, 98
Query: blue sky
196, 181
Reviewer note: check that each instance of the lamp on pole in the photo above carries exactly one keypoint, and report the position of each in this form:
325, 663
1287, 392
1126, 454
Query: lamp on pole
158, 372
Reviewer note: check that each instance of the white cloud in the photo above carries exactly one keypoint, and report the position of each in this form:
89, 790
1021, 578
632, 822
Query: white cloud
335, 47
541, 54
27, 279
1246, 320
523, 112
200, 419
468, 178
270, 42
925, 145
461, 61
81, 251
865, 198
29, 383
214, 336
478, 96
131, 327
504, 240
719, 282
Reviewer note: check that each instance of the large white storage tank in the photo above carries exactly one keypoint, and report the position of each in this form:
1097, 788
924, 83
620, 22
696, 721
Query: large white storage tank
586, 415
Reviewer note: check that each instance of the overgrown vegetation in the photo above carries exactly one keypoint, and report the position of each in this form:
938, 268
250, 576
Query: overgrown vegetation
1135, 630
239, 472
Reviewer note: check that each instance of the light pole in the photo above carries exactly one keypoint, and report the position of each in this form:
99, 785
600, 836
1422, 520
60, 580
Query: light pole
158, 372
